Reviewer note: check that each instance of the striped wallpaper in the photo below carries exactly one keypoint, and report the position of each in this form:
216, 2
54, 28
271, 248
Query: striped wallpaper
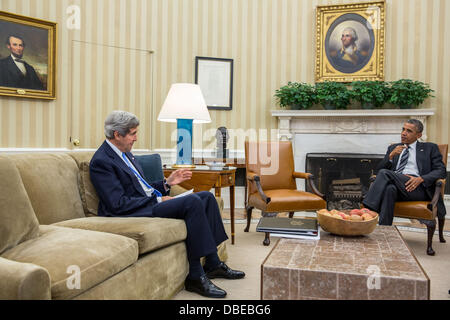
127, 53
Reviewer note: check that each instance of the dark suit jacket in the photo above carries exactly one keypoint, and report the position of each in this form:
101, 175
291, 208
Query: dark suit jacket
119, 191
429, 163
11, 76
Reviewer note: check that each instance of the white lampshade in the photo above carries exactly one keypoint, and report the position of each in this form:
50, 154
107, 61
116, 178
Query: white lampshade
184, 101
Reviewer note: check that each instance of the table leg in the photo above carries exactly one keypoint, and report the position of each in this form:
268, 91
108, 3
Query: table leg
232, 212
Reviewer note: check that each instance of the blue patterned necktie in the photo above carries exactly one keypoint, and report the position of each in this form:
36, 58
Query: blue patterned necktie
127, 161
403, 161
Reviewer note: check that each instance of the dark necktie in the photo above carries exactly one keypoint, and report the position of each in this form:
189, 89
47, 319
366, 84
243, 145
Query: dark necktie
20, 60
403, 161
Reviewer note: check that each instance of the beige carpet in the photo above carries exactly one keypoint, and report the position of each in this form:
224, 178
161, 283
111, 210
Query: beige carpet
248, 254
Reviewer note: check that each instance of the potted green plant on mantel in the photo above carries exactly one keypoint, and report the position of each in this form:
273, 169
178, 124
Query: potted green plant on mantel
332, 95
296, 96
371, 94
408, 94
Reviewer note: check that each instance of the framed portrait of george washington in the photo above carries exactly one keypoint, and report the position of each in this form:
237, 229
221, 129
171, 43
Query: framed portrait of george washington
27, 57
350, 42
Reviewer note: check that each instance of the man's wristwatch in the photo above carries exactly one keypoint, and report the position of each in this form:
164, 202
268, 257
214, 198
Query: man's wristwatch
166, 185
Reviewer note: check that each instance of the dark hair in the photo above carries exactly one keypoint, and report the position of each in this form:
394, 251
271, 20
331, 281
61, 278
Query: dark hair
417, 123
15, 36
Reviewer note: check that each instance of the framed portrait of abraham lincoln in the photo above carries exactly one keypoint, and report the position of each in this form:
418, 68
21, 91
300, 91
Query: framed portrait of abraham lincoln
27, 57
350, 42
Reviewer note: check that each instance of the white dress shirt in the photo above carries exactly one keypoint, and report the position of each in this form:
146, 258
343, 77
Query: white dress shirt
411, 166
20, 65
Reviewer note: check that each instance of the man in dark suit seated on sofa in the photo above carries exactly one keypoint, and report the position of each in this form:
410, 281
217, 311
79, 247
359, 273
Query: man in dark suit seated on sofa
407, 173
124, 192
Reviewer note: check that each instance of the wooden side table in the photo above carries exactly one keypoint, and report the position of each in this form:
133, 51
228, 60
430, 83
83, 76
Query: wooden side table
205, 178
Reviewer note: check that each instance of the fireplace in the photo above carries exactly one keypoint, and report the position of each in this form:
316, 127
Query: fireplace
342, 177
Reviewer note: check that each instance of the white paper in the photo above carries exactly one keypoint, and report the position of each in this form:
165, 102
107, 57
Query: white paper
184, 193
296, 236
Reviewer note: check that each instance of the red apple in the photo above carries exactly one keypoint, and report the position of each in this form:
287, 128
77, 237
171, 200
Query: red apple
373, 214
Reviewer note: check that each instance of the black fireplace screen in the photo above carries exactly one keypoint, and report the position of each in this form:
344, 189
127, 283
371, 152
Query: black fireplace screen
343, 178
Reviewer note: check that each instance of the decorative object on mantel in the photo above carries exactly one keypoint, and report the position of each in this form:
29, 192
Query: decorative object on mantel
371, 94
409, 94
296, 96
332, 95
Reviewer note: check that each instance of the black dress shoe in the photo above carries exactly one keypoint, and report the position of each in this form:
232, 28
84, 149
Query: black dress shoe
223, 271
205, 287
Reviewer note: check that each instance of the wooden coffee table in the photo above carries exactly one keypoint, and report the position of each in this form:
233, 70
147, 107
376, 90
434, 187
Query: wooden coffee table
379, 266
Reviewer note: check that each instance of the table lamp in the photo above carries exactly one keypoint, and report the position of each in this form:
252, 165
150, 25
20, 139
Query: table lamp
184, 105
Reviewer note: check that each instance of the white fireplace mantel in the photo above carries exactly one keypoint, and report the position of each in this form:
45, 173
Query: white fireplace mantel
377, 121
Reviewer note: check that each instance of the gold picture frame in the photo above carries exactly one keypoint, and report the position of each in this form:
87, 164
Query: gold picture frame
350, 42
27, 57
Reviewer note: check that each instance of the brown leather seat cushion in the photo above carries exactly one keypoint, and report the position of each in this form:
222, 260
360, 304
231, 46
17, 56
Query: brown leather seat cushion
287, 200
413, 210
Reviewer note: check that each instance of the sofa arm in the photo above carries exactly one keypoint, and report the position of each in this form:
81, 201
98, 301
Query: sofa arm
23, 281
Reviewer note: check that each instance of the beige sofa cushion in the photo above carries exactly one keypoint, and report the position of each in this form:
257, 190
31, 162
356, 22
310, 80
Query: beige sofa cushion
150, 233
51, 181
98, 256
17, 219
88, 193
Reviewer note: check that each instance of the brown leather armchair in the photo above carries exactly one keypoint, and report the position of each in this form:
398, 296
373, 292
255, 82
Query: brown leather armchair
425, 211
271, 185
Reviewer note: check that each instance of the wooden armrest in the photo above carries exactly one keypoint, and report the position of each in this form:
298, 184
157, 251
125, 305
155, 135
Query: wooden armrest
301, 175
309, 177
251, 176
440, 182
435, 199
254, 178
312, 185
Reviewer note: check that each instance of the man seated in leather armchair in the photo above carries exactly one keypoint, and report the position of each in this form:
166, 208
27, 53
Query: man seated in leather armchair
407, 173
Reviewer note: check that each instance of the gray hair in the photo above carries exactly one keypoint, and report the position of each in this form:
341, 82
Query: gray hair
417, 123
120, 121
353, 33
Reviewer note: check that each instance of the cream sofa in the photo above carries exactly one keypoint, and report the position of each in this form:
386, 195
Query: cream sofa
53, 246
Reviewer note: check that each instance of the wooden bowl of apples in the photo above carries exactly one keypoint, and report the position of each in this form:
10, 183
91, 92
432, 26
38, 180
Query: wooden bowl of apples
356, 222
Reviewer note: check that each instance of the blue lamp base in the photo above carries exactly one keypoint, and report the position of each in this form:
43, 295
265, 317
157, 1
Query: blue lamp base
184, 144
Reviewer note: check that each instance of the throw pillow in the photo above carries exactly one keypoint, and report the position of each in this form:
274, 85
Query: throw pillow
89, 196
